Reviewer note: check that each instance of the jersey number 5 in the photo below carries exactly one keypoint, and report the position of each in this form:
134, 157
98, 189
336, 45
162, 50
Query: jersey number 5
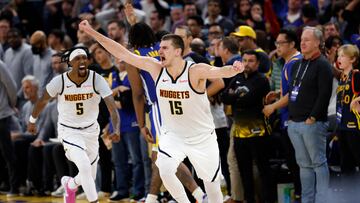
79, 108
175, 107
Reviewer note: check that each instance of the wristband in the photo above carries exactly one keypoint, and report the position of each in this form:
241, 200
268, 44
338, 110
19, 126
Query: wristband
32, 119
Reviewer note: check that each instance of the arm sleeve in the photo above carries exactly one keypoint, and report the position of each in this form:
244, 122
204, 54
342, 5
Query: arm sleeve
28, 62
101, 86
55, 86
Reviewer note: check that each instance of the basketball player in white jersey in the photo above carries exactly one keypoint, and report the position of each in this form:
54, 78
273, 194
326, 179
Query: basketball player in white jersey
187, 124
78, 92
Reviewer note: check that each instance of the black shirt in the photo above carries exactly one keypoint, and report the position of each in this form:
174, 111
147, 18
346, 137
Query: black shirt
315, 89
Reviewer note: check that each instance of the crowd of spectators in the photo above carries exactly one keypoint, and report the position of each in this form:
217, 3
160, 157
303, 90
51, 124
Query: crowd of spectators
288, 113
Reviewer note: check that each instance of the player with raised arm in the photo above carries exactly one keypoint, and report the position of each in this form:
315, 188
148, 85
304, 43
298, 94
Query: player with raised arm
187, 125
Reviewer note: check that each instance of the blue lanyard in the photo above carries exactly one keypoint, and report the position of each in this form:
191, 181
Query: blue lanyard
303, 74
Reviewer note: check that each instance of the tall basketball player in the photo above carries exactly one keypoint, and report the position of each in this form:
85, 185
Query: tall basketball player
187, 128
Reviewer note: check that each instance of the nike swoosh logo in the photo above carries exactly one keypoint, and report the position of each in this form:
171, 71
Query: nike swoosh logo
165, 80
68, 86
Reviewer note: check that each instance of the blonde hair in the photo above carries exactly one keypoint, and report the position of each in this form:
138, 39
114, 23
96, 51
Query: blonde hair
351, 51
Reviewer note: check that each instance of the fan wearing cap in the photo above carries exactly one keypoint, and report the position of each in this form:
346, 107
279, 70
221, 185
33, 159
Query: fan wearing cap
246, 37
78, 92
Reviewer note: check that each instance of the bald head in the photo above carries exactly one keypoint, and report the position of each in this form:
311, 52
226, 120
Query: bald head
38, 42
37, 37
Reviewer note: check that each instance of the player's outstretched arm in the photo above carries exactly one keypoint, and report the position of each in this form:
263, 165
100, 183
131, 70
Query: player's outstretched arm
38, 107
114, 115
205, 71
117, 50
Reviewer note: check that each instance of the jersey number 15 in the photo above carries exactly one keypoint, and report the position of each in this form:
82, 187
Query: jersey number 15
175, 107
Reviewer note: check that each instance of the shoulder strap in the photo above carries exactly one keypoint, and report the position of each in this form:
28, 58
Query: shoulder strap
94, 73
63, 83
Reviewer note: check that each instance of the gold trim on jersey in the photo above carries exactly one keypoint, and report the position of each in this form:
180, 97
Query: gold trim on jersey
78, 97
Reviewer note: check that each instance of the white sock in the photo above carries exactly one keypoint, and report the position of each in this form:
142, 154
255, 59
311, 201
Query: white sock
150, 198
72, 185
198, 194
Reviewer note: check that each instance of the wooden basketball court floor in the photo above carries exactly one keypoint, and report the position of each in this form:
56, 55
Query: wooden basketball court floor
4, 199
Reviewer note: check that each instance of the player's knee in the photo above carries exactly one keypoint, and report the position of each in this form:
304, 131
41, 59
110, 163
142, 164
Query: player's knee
167, 167
83, 164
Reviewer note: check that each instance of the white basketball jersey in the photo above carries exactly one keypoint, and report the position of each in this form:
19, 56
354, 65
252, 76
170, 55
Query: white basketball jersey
184, 111
78, 105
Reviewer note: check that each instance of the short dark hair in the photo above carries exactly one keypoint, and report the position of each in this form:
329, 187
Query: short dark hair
141, 35
187, 30
119, 23
308, 11
176, 41
160, 34
7, 15
215, 1
290, 36
161, 16
231, 44
332, 23
216, 24
198, 19
57, 54
330, 40
58, 33
252, 52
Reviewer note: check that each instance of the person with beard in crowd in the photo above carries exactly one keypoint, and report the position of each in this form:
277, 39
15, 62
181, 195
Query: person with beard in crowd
42, 59
19, 60
245, 93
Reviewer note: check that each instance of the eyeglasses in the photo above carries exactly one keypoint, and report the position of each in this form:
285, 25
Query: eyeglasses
280, 43
214, 33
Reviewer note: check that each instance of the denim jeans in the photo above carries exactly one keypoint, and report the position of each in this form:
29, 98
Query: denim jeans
128, 145
146, 162
309, 142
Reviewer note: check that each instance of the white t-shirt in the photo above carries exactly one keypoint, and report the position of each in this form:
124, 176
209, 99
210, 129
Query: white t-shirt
78, 105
